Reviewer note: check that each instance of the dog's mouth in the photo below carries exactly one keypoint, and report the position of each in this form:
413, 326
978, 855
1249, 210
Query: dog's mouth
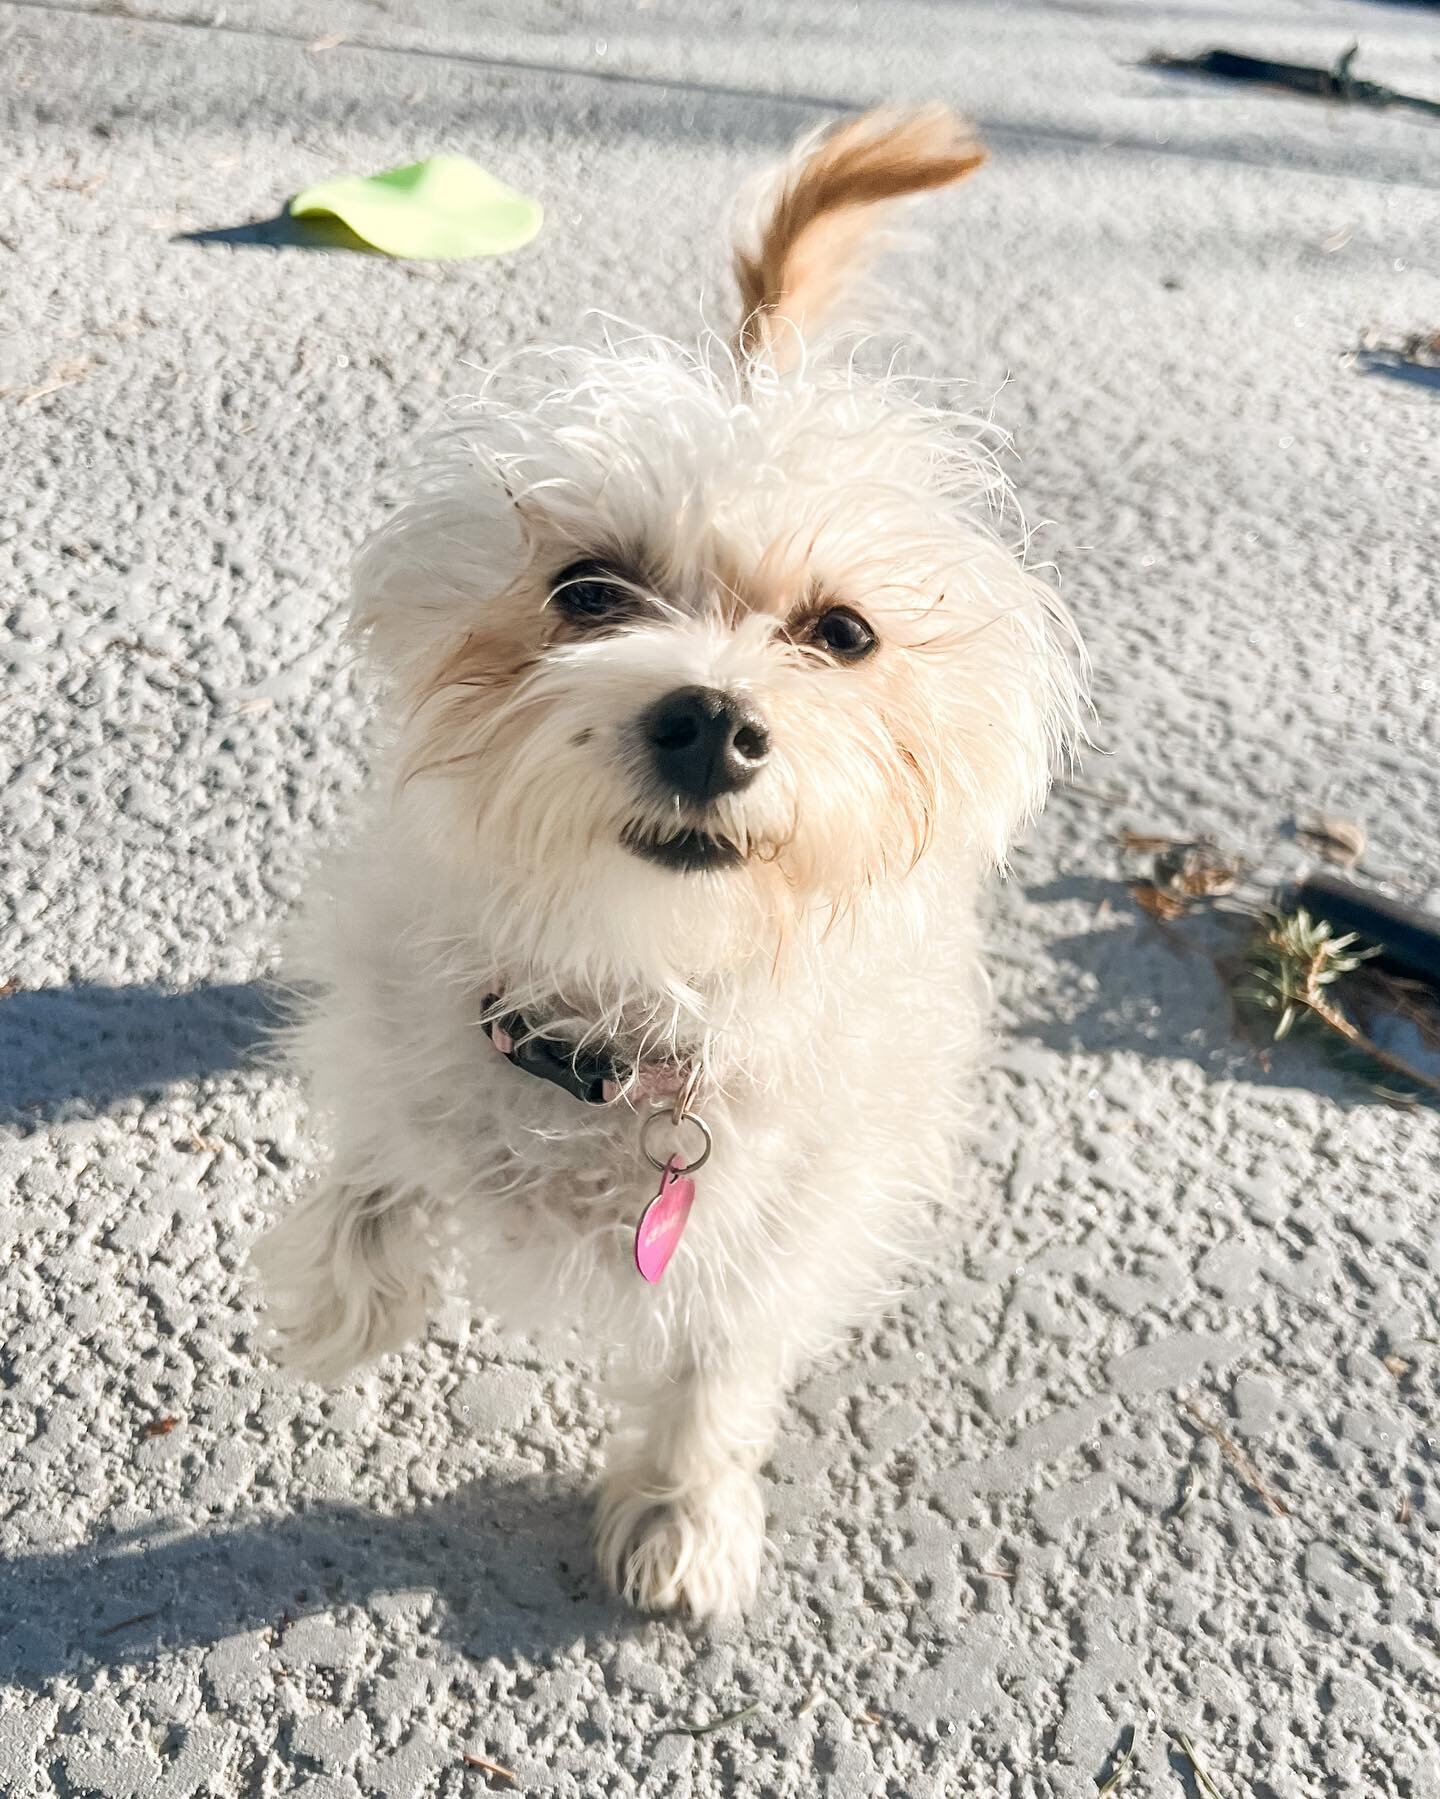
689, 851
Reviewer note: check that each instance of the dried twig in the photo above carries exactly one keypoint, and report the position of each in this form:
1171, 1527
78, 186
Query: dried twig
1182, 870
1187, 1497
1335, 1020
64, 374
1412, 1000
1193, 866
1202, 1779
1196, 870
705, 1730
1337, 840
78, 184
497, 1770
1417, 1002
1091, 793
1156, 902
1141, 843
1237, 1458
1378, 1575
125, 1623
1122, 1768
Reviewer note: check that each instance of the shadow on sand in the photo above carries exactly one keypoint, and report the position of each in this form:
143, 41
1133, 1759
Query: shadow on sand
316, 231
94, 1046
1164, 991
509, 1563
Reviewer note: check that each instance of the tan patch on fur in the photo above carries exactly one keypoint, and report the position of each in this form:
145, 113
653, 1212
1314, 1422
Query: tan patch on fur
459, 690
489, 660
915, 797
816, 238
781, 582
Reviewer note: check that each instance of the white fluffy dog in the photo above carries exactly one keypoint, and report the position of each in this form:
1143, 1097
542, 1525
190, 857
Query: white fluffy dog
710, 691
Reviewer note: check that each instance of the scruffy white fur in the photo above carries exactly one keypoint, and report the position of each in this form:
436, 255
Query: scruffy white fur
829, 986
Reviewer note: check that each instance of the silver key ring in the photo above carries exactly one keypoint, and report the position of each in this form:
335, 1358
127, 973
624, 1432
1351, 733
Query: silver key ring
665, 1115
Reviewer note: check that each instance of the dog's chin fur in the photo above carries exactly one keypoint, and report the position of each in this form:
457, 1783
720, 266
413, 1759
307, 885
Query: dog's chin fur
808, 942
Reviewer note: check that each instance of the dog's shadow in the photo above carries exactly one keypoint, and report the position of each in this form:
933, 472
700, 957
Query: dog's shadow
508, 1563
1128, 983
1167, 992
91, 1046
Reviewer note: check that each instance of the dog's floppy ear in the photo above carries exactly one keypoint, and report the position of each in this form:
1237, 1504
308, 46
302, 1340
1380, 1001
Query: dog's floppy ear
823, 212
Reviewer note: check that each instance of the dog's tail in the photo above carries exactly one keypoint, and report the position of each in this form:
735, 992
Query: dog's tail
819, 223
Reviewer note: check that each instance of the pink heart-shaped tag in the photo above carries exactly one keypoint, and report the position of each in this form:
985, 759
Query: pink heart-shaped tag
662, 1223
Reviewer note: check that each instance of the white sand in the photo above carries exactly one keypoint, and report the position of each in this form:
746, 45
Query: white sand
340, 1594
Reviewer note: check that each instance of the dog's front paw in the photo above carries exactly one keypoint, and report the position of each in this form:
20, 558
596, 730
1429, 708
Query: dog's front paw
326, 1335
348, 1282
697, 1551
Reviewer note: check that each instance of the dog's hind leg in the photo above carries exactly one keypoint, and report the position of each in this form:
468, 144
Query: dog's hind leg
681, 1525
350, 1274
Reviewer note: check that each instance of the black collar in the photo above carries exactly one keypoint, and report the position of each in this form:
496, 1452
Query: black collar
591, 1075
596, 1075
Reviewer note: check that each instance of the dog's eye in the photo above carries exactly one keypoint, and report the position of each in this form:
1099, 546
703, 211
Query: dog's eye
843, 633
591, 592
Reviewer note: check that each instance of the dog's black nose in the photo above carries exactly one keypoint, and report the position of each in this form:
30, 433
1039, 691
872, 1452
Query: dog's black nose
704, 743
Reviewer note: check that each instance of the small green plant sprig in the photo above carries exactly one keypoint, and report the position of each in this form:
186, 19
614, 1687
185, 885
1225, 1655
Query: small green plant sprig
1294, 962
1293, 959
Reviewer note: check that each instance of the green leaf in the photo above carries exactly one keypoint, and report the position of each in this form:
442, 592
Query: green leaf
446, 207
